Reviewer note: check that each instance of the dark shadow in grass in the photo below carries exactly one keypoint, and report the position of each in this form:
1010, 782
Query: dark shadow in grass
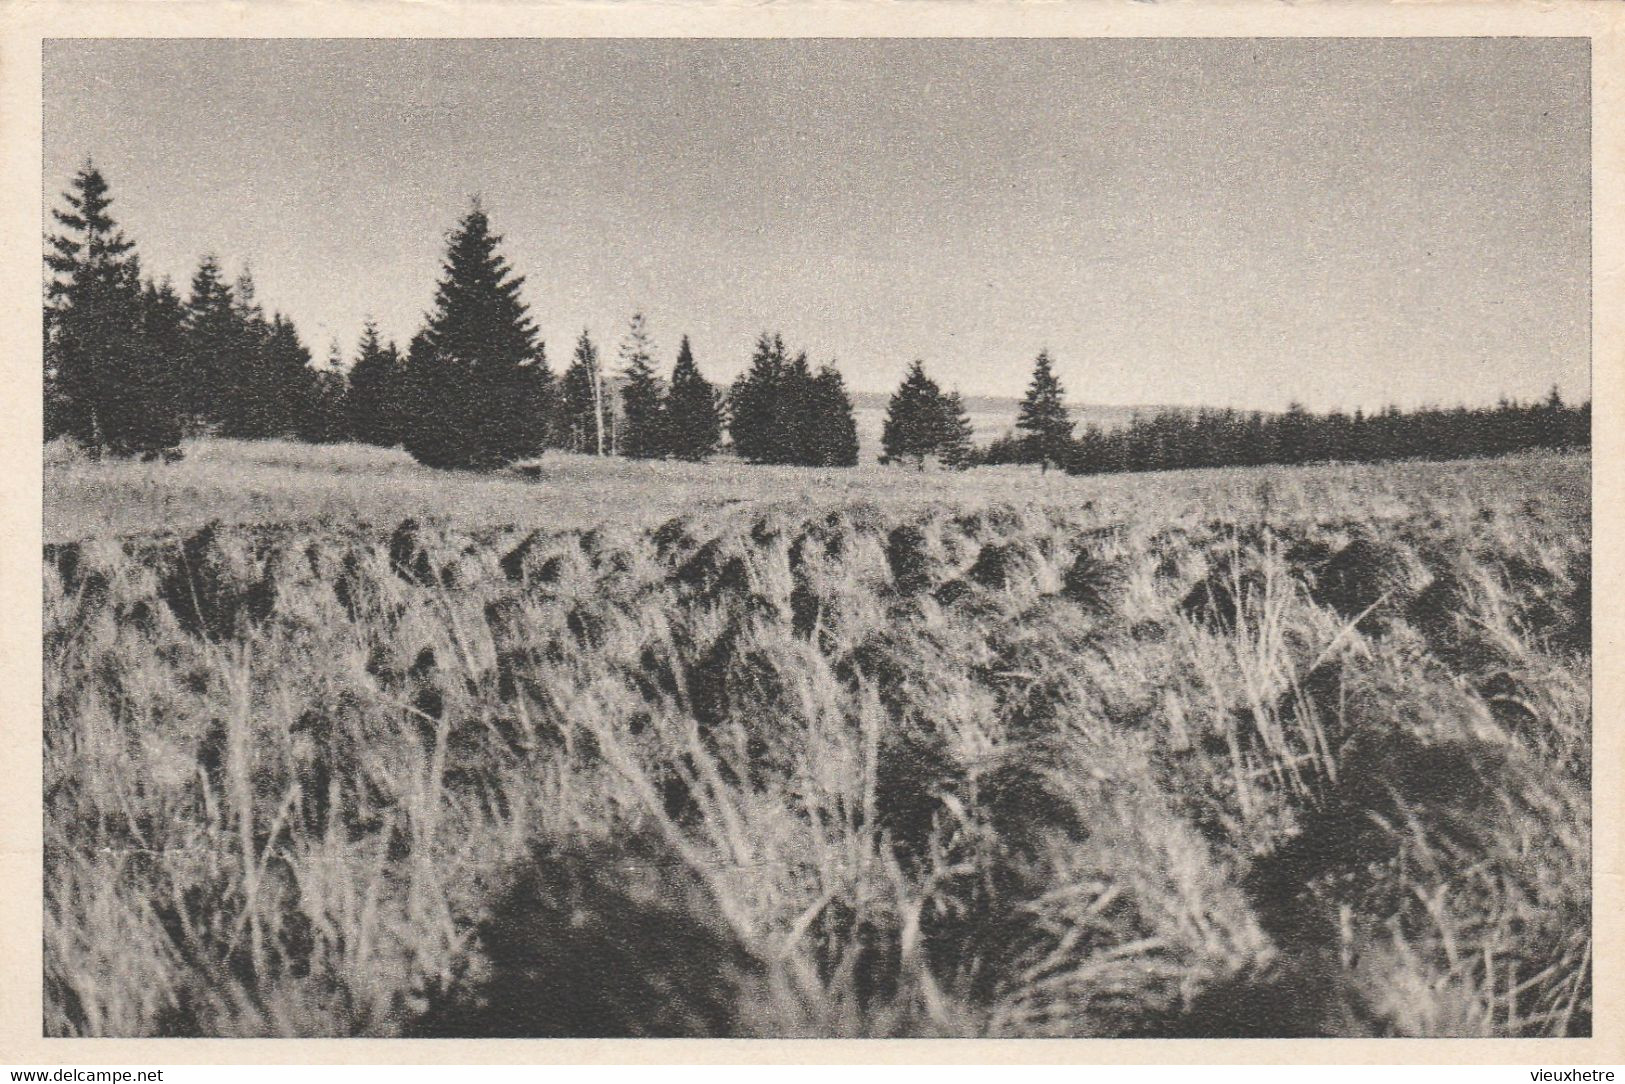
1095, 584
605, 940
1387, 784
908, 559
1298, 997
1217, 599
206, 596
1575, 634
1368, 579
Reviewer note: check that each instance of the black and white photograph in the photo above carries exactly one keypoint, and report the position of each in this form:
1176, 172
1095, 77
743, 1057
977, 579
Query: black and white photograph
801, 537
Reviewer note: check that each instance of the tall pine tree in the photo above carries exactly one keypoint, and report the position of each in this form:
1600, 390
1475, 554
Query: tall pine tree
474, 401
107, 381
916, 419
755, 407
796, 419
693, 410
641, 431
1043, 417
956, 450
285, 366
373, 404
832, 439
582, 425
251, 396
212, 369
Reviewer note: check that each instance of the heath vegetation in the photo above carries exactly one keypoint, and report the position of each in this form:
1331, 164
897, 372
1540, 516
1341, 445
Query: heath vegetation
1296, 751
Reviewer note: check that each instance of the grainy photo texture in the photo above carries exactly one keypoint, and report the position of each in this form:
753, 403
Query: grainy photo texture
817, 538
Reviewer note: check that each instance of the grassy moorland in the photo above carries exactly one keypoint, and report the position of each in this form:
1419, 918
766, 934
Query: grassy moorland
659, 749
264, 482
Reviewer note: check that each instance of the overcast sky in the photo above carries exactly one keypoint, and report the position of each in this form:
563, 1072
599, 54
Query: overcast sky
1222, 222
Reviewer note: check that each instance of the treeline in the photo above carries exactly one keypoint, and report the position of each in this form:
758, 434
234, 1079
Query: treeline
1176, 440
1191, 439
132, 368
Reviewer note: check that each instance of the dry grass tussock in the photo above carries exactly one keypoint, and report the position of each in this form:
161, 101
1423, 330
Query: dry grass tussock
1316, 767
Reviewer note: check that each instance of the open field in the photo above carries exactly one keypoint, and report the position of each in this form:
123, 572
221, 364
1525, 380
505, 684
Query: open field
270, 482
668, 749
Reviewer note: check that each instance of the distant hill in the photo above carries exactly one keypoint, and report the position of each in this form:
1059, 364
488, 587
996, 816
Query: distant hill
991, 416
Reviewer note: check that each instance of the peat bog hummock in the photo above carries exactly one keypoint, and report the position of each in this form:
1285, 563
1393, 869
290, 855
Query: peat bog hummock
656, 538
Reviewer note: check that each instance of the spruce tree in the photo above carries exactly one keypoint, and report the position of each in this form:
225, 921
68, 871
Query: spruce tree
323, 420
251, 397
211, 368
164, 319
373, 403
474, 401
1043, 416
755, 406
956, 450
641, 434
916, 420
581, 424
85, 319
419, 377
796, 418
287, 370
780, 411
832, 438
107, 382
286, 367
693, 410
1293, 436
153, 423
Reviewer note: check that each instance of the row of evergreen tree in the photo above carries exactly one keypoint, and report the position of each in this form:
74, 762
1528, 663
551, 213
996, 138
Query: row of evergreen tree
1189, 439
1175, 440
680, 419
132, 368
781, 411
